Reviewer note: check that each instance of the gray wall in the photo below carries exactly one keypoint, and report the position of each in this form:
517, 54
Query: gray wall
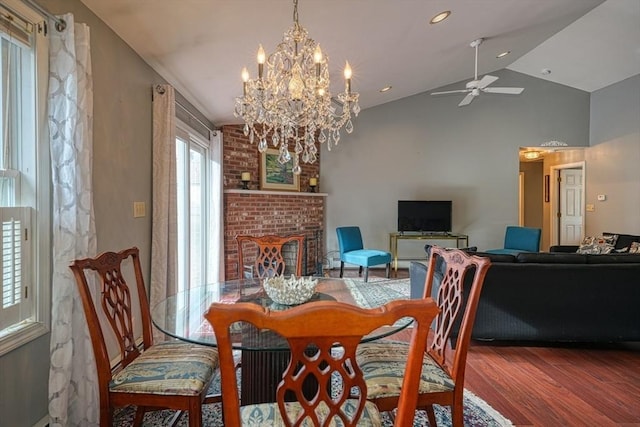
613, 160
122, 174
426, 147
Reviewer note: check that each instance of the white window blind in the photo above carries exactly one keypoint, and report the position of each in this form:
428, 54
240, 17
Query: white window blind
14, 261
14, 27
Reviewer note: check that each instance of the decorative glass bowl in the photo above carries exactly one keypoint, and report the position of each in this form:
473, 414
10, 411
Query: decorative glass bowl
290, 290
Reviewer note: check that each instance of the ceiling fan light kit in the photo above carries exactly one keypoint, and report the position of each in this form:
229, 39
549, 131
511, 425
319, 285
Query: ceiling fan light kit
475, 86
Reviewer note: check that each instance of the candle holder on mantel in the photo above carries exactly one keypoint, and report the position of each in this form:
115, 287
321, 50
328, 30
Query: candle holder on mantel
313, 183
245, 177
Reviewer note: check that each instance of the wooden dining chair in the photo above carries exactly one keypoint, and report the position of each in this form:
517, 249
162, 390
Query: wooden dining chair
171, 374
266, 260
445, 356
322, 337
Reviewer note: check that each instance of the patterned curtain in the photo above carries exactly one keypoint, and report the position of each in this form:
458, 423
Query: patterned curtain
164, 268
73, 383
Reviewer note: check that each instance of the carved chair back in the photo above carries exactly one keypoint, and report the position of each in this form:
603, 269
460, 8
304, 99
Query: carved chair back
455, 265
315, 331
268, 261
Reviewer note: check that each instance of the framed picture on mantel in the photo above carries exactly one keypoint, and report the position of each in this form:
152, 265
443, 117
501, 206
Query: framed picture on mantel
277, 176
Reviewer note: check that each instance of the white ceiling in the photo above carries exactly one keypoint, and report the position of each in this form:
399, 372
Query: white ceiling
200, 46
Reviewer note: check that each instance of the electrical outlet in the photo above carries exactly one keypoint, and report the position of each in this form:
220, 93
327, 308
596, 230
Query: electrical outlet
139, 209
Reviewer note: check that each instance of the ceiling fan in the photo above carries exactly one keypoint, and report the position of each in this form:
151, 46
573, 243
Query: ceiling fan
475, 86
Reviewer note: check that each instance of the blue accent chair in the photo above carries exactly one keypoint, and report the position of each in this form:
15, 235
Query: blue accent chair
352, 251
519, 239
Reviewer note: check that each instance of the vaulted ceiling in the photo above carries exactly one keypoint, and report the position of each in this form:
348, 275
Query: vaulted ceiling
200, 46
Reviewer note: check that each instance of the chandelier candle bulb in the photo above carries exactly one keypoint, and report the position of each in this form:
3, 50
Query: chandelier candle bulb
317, 58
347, 77
245, 79
261, 59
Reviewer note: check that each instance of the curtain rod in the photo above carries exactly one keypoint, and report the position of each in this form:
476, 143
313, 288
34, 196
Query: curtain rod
186, 110
60, 23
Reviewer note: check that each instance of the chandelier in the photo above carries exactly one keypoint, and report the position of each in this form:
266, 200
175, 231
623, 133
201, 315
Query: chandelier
291, 102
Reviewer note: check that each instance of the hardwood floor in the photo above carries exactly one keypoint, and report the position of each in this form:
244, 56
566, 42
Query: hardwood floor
554, 385
560, 385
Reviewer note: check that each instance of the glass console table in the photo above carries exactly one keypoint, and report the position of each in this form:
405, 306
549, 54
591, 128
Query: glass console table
395, 236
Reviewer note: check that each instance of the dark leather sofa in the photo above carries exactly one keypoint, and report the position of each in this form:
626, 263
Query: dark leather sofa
555, 297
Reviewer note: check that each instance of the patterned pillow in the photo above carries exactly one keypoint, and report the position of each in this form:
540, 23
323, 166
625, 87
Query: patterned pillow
634, 248
597, 245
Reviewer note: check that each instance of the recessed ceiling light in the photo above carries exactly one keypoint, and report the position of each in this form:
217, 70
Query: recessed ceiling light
503, 54
386, 88
440, 17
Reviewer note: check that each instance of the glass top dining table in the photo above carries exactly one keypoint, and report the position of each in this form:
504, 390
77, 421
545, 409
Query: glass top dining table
182, 315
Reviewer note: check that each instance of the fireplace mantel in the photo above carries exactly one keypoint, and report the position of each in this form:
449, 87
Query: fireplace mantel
276, 193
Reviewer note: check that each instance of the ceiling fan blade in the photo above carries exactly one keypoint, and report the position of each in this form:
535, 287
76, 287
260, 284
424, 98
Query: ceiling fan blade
467, 100
505, 90
486, 81
450, 91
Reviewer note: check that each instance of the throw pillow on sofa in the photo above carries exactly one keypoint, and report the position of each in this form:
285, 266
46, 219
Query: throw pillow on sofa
597, 245
634, 248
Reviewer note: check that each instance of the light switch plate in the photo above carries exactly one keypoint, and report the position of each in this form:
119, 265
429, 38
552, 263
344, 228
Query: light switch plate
139, 209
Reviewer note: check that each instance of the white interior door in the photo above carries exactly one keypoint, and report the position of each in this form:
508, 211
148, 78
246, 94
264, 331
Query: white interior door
566, 207
571, 206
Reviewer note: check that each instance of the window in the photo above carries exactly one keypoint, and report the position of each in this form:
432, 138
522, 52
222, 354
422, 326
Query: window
24, 177
194, 175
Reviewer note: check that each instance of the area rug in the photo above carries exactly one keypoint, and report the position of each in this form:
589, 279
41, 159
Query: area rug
376, 292
477, 413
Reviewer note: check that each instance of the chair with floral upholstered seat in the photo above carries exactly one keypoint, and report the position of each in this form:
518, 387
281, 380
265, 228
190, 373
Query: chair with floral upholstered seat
442, 380
322, 337
171, 374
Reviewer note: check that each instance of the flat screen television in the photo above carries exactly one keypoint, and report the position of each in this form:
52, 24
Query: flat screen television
427, 216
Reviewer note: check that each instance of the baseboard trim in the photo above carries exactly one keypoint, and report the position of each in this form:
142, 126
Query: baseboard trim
44, 422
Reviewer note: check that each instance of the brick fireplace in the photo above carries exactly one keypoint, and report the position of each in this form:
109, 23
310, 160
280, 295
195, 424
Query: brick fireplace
256, 212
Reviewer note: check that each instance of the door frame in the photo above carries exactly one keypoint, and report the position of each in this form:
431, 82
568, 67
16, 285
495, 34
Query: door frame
554, 204
521, 190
